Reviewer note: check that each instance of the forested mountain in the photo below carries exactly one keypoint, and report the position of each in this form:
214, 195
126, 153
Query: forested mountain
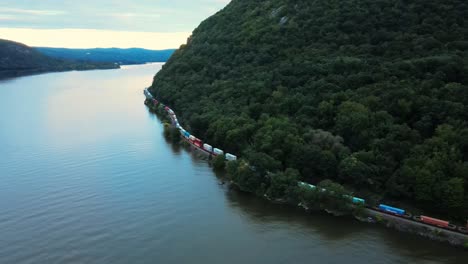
372, 94
121, 56
17, 59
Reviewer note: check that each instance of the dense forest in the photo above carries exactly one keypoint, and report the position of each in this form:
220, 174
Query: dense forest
120, 56
371, 95
17, 59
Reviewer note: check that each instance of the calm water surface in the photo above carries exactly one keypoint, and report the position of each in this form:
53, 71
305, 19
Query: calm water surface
86, 177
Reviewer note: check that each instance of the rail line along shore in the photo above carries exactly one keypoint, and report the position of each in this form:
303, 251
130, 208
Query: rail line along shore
389, 216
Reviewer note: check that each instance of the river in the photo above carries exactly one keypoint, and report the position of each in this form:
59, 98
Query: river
86, 176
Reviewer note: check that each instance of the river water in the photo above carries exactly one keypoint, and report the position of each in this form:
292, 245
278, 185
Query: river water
87, 177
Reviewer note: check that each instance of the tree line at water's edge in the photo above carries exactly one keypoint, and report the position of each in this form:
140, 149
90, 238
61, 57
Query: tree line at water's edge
370, 94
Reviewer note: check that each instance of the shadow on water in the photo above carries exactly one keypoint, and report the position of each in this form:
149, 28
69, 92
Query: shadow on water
263, 211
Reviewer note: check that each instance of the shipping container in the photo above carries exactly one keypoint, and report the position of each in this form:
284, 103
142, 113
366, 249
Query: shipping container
171, 112
230, 157
217, 151
147, 94
207, 147
436, 222
463, 229
186, 134
391, 209
197, 142
304, 184
357, 200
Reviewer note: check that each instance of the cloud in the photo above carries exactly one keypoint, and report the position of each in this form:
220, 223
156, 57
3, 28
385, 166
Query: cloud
7, 17
133, 15
117, 15
31, 11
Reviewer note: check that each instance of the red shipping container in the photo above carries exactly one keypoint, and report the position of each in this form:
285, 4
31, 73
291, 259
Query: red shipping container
435, 221
198, 142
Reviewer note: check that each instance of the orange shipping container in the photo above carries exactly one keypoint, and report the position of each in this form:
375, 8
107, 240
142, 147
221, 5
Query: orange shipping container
434, 221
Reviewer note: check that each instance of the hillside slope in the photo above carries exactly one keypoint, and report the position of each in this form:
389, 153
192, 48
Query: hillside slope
121, 56
17, 59
372, 94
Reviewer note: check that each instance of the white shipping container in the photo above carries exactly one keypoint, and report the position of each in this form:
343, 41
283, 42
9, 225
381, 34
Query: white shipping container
208, 147
217, 151
192, 137
230, 157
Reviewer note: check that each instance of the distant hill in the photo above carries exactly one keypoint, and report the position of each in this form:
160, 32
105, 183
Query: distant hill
121, 56
17, 59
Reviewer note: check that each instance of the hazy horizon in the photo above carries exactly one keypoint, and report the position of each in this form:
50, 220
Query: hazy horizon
150, 24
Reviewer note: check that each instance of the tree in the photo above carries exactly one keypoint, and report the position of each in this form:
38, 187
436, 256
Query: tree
283, 184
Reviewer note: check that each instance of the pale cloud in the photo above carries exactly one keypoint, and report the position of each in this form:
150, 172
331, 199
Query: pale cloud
92, 38
134, 15
31, 11
7, 17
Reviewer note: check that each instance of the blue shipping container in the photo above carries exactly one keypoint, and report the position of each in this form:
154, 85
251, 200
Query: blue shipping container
358, 200
390, 209
186, 134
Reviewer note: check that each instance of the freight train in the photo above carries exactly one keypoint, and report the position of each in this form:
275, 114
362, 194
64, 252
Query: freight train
198, 143
400, 212
194, 141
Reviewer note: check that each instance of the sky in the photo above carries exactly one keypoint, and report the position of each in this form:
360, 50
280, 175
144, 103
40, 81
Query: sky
152, 24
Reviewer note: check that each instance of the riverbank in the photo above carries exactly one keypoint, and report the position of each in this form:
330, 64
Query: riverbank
332, 199
420, 229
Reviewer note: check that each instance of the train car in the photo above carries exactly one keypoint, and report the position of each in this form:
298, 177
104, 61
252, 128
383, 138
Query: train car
357, 200
217, 151
207, 147
230, 157
186, 134
147, 94
435, 222
392, 210
304, 184
171, 112
463, 230
198, 142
